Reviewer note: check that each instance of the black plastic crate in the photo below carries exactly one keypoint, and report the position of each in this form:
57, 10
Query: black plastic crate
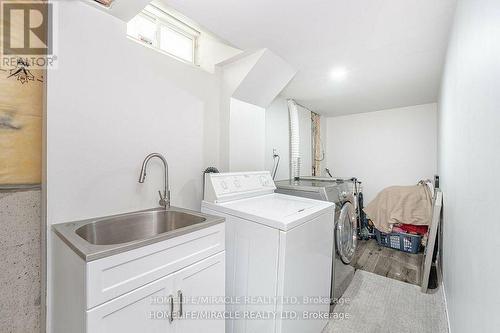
399, 241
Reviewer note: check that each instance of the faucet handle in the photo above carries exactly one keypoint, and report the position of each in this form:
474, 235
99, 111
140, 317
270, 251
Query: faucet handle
162, 202
162, 197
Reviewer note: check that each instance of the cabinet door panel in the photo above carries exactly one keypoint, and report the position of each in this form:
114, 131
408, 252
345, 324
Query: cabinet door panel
116, 275
203, 288
145, 309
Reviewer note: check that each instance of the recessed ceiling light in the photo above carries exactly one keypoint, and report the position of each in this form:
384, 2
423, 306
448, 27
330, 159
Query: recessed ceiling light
338, 73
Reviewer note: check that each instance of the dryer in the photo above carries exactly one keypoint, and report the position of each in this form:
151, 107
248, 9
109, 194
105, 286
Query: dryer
278, 254
343, 193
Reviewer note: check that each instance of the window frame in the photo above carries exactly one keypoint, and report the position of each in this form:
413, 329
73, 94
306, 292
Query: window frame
165, 20
155, 38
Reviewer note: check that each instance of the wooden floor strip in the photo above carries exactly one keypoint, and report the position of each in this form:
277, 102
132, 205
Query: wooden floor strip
387, 262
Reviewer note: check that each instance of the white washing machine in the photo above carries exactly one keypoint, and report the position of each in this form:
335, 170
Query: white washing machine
341, 192
278, 254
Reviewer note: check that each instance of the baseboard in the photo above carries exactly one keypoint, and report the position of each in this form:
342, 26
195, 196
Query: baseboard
446, 306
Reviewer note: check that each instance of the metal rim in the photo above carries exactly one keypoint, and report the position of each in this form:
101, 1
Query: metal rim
346, 237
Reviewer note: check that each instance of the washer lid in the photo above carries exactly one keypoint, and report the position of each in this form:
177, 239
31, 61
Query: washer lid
275, 210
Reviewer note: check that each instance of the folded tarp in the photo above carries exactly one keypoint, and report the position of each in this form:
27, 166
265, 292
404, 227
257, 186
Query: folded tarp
401, 204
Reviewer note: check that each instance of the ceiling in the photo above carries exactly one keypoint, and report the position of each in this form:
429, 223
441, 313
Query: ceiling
392, 51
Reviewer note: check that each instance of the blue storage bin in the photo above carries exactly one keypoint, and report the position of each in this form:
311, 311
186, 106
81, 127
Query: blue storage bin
399, 241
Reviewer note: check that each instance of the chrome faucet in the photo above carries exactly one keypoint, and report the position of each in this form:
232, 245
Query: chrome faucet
165, 196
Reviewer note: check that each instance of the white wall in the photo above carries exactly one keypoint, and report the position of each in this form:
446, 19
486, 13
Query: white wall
469, 142
247, 133
112, 101
384, 148
233, 72
278, 137
108, 107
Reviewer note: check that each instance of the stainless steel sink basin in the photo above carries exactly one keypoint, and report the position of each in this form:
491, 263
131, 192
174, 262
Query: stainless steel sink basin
98, 238
135, 226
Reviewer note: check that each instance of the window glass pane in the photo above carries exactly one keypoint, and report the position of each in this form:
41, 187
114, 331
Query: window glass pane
142, 28
176, 43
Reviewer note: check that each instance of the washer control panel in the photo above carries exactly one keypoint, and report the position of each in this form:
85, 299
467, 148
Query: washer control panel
220, 187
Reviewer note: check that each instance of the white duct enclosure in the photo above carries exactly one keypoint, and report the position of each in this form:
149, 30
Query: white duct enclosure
250, 82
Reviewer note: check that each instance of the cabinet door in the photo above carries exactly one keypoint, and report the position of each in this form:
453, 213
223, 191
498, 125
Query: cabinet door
146, 309
200, 296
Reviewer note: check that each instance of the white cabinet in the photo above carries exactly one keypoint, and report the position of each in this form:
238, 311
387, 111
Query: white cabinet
173, 286
183, 302
201, 288
113, 276
146, 309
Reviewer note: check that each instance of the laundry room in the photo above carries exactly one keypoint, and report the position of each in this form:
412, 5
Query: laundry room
249, 166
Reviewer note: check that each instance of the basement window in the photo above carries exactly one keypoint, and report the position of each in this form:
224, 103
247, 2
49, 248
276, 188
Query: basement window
163, 32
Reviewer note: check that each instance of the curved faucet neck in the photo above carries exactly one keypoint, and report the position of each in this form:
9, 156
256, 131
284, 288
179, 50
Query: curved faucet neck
165, 196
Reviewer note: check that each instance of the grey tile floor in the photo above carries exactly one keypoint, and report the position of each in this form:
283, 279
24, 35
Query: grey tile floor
373, 303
